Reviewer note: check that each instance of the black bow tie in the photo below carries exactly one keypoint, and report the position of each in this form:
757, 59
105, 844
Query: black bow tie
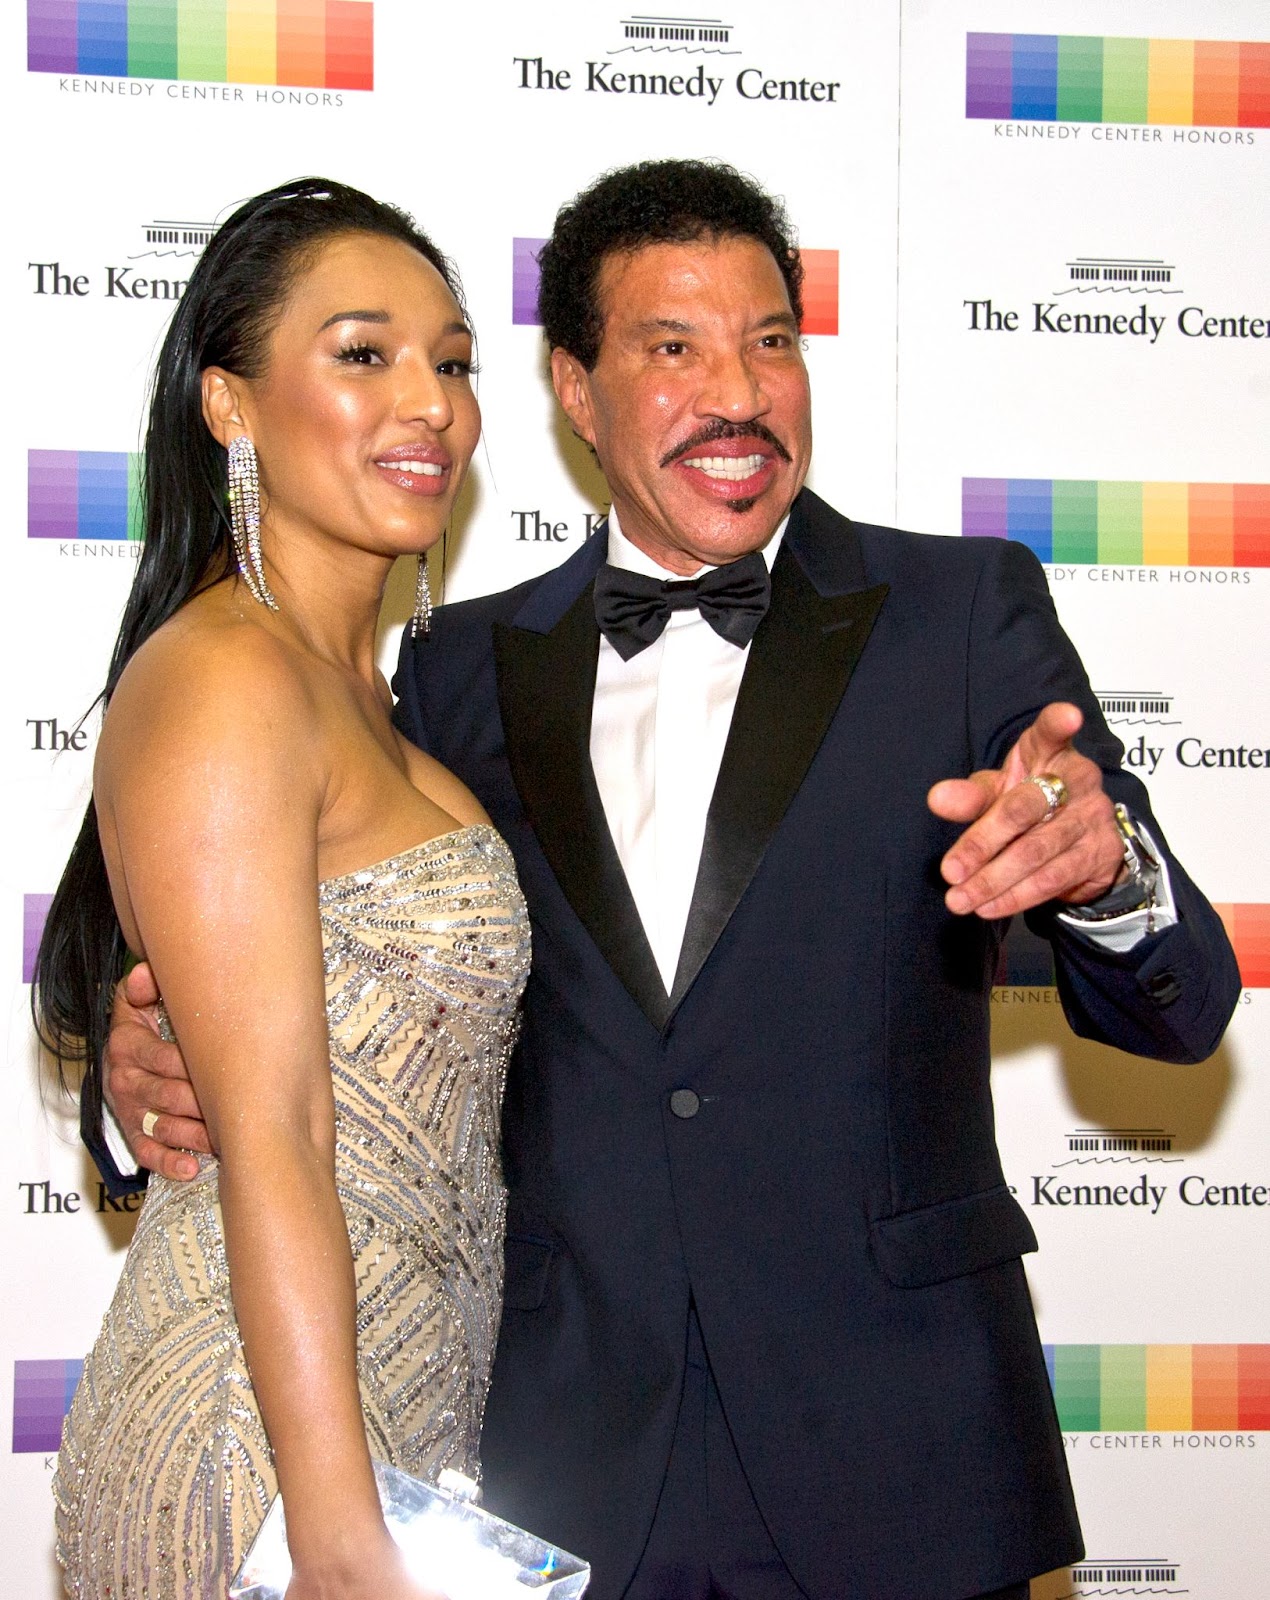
632, 610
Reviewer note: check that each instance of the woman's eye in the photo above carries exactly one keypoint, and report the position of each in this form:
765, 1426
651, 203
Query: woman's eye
456, 368
361, 355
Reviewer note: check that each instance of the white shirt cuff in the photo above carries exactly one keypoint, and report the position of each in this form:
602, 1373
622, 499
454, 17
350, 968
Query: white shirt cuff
120, 1154
1120, 934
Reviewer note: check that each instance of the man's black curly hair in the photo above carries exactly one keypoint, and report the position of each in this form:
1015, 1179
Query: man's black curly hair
652, 202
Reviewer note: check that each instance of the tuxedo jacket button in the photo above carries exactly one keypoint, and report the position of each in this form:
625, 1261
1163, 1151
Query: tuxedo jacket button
1163, 988
685, 1103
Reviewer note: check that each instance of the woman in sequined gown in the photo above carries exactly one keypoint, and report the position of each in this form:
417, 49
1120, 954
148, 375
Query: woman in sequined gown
327, 1289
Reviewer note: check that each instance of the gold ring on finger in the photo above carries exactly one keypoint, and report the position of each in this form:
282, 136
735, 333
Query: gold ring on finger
1054, 790
149, 1122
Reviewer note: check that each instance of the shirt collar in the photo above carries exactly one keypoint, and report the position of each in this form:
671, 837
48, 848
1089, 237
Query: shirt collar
630, 558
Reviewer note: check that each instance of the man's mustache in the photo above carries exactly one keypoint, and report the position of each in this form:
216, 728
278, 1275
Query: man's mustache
712, 432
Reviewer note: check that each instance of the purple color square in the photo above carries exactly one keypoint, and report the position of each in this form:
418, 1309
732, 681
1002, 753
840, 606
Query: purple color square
985, 508
52, 483
52, 35
35, 908
42, 1392
525, 281
989, 74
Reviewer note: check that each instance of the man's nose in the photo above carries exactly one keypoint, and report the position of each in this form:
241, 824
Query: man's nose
733, 390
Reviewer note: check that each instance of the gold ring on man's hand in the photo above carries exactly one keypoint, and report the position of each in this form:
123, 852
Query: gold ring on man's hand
1054, 790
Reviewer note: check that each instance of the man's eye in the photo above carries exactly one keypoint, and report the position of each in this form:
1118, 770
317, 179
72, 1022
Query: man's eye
774, 341
360, 355
672, 347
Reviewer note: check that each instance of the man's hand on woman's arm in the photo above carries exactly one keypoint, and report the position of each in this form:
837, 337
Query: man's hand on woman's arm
143, 1073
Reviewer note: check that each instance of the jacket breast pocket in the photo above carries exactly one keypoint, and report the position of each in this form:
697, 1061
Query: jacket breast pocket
951, 1239
528, 1267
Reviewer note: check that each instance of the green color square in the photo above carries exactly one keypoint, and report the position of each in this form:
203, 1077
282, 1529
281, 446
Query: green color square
1075, 516
1120, 524
1124, 1387
1078, 1387
201, 40
1079, 79
136, 508
152, 38
1125, 65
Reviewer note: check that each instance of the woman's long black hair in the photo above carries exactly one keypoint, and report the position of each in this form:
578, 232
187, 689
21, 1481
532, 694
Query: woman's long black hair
224, 319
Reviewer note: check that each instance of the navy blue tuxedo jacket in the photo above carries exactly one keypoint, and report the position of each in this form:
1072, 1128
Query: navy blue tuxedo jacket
836, 1207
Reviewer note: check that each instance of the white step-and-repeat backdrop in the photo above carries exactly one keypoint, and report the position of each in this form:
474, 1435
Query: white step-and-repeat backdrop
1037, 308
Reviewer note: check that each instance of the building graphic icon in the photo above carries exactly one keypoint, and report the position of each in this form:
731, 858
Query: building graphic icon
170, 238
1118, 274
1119, 1141
694, 35
1116, 1573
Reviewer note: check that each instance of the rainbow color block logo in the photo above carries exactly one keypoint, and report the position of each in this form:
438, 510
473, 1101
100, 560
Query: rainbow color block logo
42, 1393
1044, 77
83, 494
1026, 961
1164, 1388
1112, 523
820, 287
321, 44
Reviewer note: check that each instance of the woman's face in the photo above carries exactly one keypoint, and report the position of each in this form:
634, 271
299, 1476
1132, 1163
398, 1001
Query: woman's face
364, 419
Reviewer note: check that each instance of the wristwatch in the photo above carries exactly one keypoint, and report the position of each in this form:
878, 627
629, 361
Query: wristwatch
1137, 892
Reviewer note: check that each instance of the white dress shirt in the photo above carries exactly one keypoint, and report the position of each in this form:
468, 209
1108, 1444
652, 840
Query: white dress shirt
659, 723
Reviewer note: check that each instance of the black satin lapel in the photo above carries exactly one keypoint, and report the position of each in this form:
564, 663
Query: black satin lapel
546, 683
800, 663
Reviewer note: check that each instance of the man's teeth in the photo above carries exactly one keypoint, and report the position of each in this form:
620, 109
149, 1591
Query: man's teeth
427, 469
732, 468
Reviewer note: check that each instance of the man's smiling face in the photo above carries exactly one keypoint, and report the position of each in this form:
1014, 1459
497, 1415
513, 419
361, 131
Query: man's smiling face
698, 406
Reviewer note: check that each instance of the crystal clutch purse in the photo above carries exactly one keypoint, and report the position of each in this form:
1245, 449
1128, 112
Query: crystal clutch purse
449, 1543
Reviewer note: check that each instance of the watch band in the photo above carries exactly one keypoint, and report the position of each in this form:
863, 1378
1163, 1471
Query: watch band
1137, 892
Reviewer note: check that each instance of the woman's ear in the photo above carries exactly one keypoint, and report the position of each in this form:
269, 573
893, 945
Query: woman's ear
222, 405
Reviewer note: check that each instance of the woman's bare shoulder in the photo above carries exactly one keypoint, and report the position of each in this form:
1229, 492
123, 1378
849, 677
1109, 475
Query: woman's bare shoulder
211, 681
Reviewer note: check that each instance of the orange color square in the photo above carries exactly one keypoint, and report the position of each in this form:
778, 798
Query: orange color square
302, 43
1212, 524
1216, 103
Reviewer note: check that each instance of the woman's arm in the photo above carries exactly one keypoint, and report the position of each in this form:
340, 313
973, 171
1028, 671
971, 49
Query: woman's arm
210, 804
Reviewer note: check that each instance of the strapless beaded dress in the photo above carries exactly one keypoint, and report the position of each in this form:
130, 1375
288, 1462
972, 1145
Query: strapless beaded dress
165, 1472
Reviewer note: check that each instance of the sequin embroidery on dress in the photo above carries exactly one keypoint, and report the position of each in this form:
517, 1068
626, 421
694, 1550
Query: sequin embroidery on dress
165, 1471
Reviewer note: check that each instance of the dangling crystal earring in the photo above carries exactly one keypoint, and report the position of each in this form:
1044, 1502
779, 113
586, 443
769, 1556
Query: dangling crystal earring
244, 517
421, 622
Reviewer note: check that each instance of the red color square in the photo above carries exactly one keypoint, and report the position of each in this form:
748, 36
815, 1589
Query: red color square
820, 291
350, 44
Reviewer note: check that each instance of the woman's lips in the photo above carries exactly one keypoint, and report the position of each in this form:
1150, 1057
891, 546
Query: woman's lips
424, 472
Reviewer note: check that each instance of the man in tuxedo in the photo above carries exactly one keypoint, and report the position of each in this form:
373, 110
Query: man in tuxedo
774, 782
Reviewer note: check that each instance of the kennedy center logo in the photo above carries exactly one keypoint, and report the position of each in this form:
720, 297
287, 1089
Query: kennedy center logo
820, 287
1117, 523
1034, 77
322, 44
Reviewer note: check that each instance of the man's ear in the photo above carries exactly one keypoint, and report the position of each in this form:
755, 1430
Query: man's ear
224, 410
572, 384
